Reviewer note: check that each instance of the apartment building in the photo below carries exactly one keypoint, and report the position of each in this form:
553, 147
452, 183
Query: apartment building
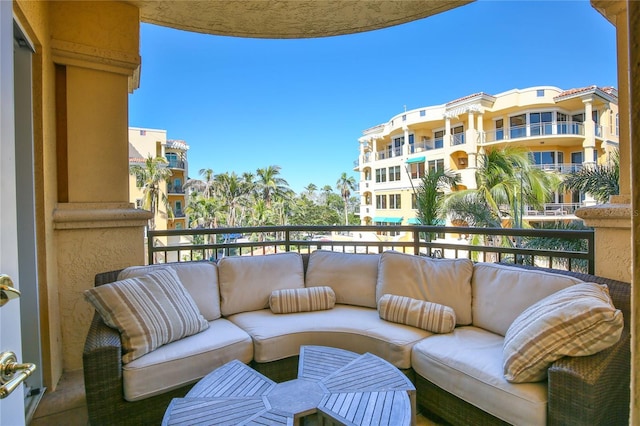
146, 142
563, 129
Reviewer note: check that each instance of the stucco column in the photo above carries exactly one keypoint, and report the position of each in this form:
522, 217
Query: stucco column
589, 143
94, 46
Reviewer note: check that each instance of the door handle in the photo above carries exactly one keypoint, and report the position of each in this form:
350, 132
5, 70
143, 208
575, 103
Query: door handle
8, 368
7, 291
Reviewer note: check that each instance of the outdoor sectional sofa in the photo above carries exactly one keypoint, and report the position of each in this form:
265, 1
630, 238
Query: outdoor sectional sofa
339, 299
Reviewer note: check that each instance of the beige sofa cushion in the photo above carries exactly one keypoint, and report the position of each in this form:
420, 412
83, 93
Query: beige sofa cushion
468, 364
246, 282
185, 361
352, 276
501, 293
149, 311
417, 313
577, 321
293, 300
199, 278
443, 281
353, 328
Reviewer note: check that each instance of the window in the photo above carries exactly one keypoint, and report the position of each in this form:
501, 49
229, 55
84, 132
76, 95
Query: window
172, 158
397, 147
411, 144
381, 175
457, 135
423, 113
617, 124
394, 173
541, 123
547, 159
367, 198
540, 93
143, 133
404, 117
367, 174
499, 129
562, 127
178, 225
178, 208
394, 201
439, 139
518, 126
381, 201
436, 164
416, 170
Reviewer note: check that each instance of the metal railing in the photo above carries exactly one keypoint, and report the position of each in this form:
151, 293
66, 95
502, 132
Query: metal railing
477, 244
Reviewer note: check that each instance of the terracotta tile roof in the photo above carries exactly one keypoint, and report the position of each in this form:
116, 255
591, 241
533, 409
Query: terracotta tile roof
609, 90
465, 98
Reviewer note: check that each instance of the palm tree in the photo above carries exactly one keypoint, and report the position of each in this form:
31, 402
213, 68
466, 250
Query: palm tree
506, 181
326, 192
152, 175
600, 180
270, 185
234, 193
311, 189
345, 185
205, 185
430, 194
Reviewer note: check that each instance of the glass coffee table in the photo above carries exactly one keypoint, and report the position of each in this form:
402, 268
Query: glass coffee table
334, 385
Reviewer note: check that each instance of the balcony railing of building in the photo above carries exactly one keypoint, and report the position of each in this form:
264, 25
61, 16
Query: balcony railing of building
179, 214
457, 139
539, 129
477, 244
176, 164
560, 167
175, 189
554, 209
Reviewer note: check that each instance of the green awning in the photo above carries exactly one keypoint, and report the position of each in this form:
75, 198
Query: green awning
394, 219
385, 219
415, 160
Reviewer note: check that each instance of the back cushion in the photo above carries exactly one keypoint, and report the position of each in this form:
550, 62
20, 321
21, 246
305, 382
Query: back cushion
246, 282
443, 281
501, 293
352, 276
200, 279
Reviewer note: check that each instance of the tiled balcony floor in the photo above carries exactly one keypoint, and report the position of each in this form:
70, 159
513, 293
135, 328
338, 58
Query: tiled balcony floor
67, 405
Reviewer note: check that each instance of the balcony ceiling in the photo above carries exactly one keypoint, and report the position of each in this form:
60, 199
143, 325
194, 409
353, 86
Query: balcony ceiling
287, 18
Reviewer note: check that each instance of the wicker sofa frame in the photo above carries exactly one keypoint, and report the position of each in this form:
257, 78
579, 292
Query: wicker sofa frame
591, 390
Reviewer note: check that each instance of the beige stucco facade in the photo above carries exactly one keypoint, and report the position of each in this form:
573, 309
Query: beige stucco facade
562, 129
86, 61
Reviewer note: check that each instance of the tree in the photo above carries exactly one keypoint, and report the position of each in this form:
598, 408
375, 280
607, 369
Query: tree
430, 194
345, 185
205, 185
311, 189
506, 182
270, 185
154, 173
600, 180
234, 194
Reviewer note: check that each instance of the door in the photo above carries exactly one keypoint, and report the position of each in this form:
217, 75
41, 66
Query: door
12, 406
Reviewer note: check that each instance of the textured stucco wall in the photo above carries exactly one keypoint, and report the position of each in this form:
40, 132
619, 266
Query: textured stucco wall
82, 254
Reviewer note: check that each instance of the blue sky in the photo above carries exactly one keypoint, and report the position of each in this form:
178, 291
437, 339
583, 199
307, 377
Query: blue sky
242, 104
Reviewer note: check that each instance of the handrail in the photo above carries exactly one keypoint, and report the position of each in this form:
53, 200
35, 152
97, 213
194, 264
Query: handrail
478, 244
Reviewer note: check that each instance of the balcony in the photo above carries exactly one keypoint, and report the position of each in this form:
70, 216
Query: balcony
560, 167
388, 153
478, 244
175, 189
176, 164
568, 128
457, 139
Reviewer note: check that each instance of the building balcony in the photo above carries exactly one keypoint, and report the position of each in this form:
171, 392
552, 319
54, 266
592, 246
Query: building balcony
177, 164
561, 129
175, 189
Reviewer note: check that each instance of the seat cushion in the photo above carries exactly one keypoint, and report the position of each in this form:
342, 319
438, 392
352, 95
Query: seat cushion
577, 321
246, 282
468, 363
353, 328
501, 293
443, 281
148, 311
199, 278
352, 276
186, 361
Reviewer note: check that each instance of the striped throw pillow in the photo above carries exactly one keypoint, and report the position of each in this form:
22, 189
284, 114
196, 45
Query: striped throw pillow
577, 321
290, 300
417, 313
149, 311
